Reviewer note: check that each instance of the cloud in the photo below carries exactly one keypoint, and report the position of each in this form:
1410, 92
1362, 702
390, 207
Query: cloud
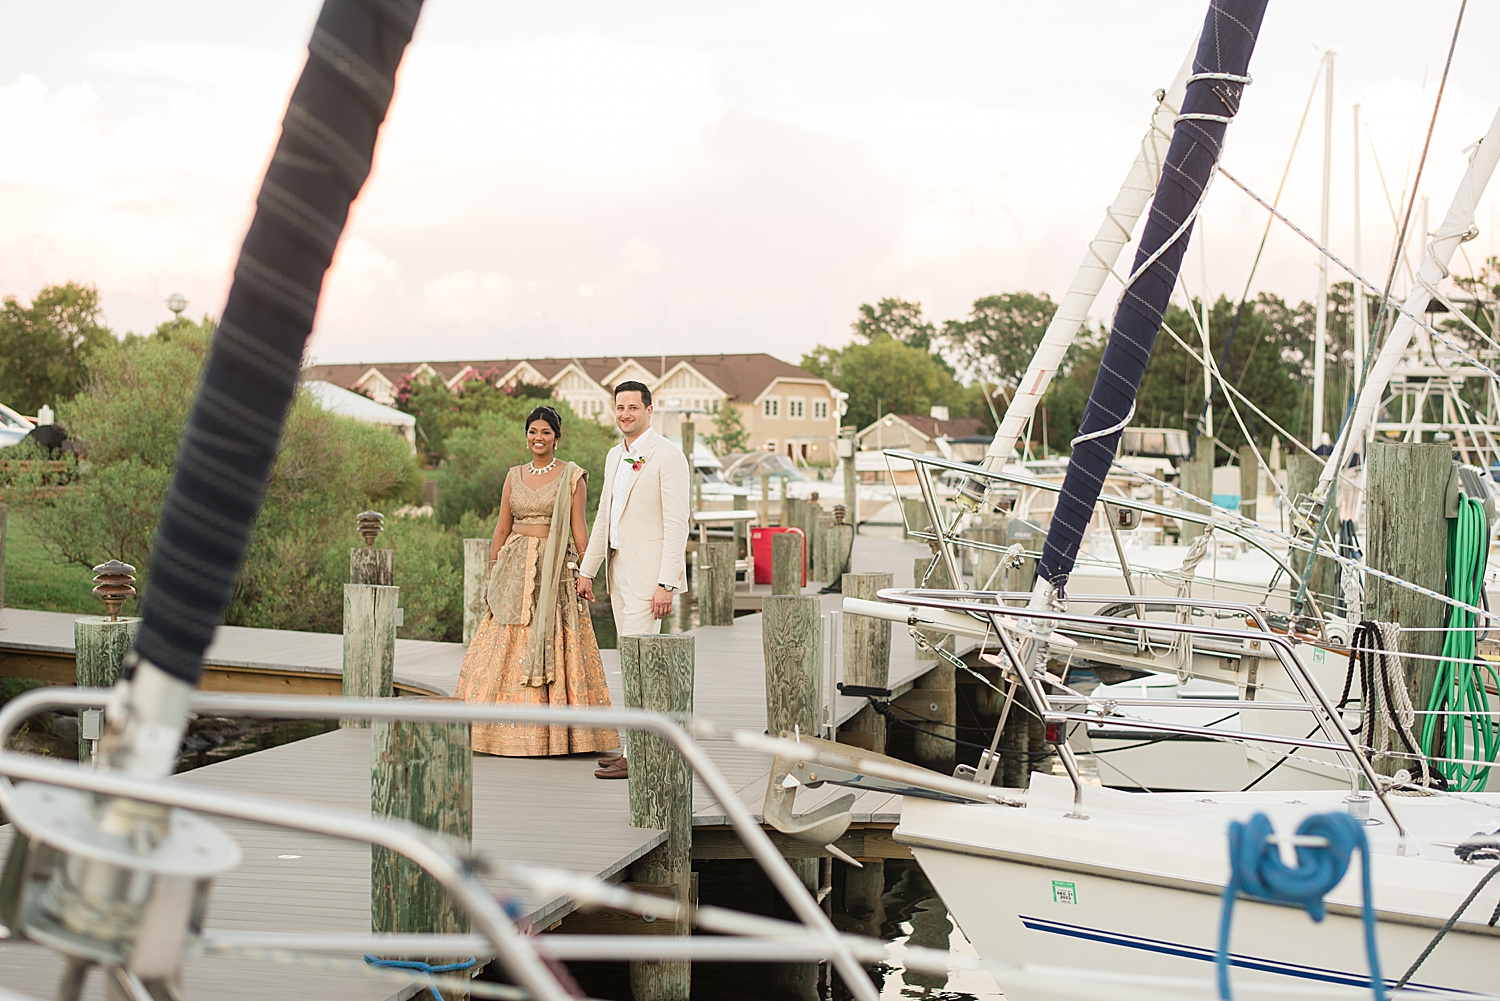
469, 297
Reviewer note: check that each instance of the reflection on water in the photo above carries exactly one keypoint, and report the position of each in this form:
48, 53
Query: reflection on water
893, 900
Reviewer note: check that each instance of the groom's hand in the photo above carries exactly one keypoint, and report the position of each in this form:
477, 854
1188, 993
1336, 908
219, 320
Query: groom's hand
585, 587
661, 602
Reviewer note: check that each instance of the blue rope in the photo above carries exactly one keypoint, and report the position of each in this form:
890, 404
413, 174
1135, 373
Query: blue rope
1257, 871
420, 967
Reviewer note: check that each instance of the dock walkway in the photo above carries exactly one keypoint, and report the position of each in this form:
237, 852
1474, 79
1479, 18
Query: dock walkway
548, 811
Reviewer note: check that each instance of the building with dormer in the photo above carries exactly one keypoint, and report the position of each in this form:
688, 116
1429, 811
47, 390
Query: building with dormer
783, 408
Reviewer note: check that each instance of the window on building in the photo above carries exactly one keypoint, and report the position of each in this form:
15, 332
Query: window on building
820, 410
796, 407
771, 407
770, 445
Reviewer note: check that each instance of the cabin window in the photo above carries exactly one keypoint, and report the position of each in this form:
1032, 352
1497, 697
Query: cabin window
771, 407
820, 410
796, 407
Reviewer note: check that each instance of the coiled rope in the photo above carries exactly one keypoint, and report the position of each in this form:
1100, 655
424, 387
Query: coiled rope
1256, 870
1459, 685
1384, 697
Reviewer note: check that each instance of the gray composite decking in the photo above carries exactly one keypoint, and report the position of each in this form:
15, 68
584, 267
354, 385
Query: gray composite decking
549, 811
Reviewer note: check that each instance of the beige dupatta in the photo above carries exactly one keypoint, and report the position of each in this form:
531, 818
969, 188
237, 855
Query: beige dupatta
539, 668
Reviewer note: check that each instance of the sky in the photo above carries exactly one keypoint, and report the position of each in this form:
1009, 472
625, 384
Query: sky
583, 178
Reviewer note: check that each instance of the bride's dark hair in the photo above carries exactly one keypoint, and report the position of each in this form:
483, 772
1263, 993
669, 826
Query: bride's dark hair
552, 417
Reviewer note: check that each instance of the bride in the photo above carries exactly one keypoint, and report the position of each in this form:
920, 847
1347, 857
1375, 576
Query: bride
535, 645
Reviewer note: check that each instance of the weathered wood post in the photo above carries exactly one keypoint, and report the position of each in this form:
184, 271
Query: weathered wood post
765, 498
1302, 473
1197, 478
657, 675
100, 642
689, 443
986, 562
851, 480
368, 565
864, 890
476, 576
1249, 480
369, 642
4, 529
838, 545
716, 583
867, 659
935, 697
786, 563
822, 527
915, 510
791, 643
1407, 535
422, 773
797, 981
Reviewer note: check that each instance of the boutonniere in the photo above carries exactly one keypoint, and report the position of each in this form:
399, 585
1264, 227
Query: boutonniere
635, 463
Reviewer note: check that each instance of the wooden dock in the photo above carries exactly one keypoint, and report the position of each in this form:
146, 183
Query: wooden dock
550, 811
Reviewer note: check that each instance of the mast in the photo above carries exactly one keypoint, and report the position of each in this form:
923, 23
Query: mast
1103, 251
1320, 325
1361, 335
1209, 104
1456, 228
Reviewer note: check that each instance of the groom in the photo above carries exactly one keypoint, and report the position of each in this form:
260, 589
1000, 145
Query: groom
641, 526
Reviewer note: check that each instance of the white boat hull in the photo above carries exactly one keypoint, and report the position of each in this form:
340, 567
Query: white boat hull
1118, 895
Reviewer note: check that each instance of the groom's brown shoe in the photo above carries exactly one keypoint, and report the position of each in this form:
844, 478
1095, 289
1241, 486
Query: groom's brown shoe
616, 768
609, 759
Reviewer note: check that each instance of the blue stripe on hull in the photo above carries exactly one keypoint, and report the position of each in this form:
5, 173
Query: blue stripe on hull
1207, 955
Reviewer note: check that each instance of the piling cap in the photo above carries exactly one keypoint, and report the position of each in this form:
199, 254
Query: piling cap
839, 514
113, 583
370, 524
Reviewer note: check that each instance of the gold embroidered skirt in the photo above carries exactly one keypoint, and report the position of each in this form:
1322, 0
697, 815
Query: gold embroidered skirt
492, 674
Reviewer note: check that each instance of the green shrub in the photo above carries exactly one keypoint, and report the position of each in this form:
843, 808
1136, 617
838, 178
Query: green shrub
479, 457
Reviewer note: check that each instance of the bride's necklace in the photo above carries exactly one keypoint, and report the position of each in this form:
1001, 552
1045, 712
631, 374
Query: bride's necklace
531, 467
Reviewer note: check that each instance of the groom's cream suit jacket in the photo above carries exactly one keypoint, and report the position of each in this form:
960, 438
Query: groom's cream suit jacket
653, 523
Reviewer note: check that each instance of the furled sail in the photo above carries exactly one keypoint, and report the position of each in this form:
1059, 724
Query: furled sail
1220, 73
1098, 261
1457, 227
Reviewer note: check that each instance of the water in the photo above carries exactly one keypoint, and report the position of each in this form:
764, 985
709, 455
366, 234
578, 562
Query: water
908, 910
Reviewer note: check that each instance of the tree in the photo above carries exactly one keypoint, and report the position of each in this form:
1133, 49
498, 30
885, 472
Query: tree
885, 376
897, 319
129, 419
729, 433
996, 341
45, 348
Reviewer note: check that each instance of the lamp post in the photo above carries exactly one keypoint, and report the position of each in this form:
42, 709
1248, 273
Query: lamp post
177, 302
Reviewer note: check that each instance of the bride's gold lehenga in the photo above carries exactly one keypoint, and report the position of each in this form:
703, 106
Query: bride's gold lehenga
501, 666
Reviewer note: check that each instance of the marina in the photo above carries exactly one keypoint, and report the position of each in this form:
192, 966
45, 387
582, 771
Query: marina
1198, 697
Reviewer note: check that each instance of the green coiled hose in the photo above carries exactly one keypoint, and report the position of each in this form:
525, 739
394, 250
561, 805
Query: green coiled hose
1459, 685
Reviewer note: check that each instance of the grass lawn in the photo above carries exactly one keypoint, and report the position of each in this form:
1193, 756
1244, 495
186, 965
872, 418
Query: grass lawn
38, 578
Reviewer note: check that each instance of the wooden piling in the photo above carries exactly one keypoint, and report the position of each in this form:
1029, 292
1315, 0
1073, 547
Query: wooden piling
476, 576
1249, 480
838, 551
420, 772
369, 642
715, 583
822, 525
797, 981
986, 562
99, 644
1196, 476
915, 511
851, 485
1302, 472
786, 563
4, 517
864, 893
765, 498
372, 566
657, 675
932, 704
867, 641
1407, 535
791, 642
